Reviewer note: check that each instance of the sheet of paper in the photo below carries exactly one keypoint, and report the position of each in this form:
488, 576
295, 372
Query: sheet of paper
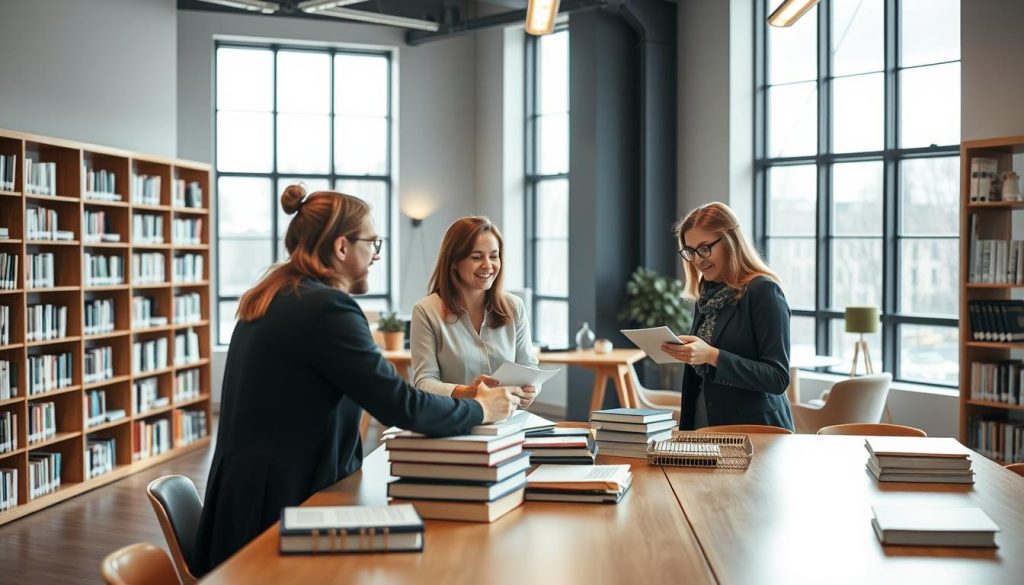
650, 341
296, 518
513, 374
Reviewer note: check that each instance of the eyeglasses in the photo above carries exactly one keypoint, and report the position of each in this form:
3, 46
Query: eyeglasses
377, 243
690, 254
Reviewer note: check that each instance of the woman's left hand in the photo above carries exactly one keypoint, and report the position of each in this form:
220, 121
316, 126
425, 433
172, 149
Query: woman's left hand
695, 351
526, 394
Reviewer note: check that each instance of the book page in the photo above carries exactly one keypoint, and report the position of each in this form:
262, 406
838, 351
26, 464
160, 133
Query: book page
650, 341
350, 517
513, 374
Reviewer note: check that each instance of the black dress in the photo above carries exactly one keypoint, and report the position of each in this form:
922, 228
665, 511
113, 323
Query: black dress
295, 385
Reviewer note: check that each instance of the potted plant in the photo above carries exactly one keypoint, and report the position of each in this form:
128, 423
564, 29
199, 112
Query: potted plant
393, 329
653, 300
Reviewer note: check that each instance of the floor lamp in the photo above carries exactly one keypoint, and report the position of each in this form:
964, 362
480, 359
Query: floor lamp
861, 320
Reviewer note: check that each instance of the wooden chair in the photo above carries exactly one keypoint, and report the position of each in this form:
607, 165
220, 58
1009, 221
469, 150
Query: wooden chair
139, 564
750, 429
856, 400
1017, 468
178, 508
872, 430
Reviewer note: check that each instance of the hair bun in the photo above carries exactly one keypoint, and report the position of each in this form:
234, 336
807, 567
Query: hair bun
291, 199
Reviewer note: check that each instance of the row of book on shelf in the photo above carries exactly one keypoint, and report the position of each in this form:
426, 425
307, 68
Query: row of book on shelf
8, 431
984, 182
1001, 321
96, 411
46, 322
996, 262
44, 471
102, 270
42, 224
998, 382
7, 166
998, 439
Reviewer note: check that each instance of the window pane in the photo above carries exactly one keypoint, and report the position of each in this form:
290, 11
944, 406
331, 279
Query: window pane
929, 269
929, 354
226, 320
361, 85
552, 211
553, 73
242, 263
244, 142
930, 105
842, 346
245, 79
792, 119
303, 82
792, 52
379, 270
857, 36
361, 146
857, 198
553, 144
303, 143
929, 31
792, 197
552, 268
801, 332
858, 118
551, 326
372, 304
856, 272
244, 205
929, 195
283, 219
793, 260
376, 194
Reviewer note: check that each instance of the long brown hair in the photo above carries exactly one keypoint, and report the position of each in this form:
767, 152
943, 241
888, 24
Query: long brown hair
321, 218
456, 246
745, 264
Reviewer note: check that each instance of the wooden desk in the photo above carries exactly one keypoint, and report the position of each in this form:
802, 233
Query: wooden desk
644, 539
802, 514
614, 365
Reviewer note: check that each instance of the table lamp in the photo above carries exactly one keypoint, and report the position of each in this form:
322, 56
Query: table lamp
861, 320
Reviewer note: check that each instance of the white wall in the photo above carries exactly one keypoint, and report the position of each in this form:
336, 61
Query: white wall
100, 71
992, 43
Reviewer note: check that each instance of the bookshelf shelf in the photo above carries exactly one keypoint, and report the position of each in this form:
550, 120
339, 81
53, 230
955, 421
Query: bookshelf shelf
191, 247
203, 283
202, 323
984, 221
192, 210
74, 167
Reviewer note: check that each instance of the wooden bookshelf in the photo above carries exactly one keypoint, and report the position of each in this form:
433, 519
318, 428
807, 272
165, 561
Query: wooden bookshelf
71, 201
994, 220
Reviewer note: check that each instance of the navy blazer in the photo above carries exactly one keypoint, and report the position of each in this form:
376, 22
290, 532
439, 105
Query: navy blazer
295, 385
749, 384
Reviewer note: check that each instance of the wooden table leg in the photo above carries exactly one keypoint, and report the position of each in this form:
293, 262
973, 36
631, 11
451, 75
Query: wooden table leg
624, 387
597, 393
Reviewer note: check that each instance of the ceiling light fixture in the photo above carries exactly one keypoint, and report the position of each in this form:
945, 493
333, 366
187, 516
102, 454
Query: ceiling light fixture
250, 5
380, 18
540, 16
790, 11
314, 6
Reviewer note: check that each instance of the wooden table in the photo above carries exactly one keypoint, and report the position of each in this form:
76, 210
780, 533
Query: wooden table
614, 365
644, 539
800, 514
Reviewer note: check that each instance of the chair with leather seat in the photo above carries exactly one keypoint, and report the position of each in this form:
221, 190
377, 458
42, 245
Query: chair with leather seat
178, 508
141, 563
747, 429
872, 430
855, 400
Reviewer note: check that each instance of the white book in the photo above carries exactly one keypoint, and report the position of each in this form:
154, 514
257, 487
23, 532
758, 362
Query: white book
579, 477
930, 526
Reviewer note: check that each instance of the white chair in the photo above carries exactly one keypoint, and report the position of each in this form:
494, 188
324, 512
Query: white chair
857, 400
659, 399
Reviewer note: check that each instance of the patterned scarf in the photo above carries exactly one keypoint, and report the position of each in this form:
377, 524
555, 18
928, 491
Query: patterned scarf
713, 297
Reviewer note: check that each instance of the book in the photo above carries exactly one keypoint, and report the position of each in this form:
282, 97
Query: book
647, 428
650, 340
462, 472
620, 437
584, 496
493, 458
931, 463
920, 476
916, 447
554, 442
559, 432
631, 415
930, 526
466, 511
576, 477
446, 490
471, 443
350, 529
510, 425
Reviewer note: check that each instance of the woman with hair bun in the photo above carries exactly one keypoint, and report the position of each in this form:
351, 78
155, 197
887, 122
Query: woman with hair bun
737, 352
301, 367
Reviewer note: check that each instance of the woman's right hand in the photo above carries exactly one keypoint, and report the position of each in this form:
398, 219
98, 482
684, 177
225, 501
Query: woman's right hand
498, 403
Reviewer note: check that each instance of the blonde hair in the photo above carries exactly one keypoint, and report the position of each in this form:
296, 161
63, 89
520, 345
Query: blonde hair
744, 262
321, 218
456, 246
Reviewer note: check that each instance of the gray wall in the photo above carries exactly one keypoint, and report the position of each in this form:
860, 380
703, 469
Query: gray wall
100, 71
992, 43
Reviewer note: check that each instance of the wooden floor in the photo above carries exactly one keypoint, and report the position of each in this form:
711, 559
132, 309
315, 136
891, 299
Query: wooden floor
66, 542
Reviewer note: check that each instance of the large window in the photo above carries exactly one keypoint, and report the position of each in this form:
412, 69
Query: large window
285, 115
857, 149
547, 184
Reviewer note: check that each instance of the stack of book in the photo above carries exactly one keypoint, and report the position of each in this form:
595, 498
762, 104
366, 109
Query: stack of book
567, 446
929, 526
350, 529
599, 484
625, 432
919, 460
478, 477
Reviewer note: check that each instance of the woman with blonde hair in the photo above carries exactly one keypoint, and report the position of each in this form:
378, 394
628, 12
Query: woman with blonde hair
301, 367
468, 325
737, 352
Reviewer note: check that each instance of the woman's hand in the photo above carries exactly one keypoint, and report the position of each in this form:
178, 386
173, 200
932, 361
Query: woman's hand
463, 391
526, 394
694, 351
498, 403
